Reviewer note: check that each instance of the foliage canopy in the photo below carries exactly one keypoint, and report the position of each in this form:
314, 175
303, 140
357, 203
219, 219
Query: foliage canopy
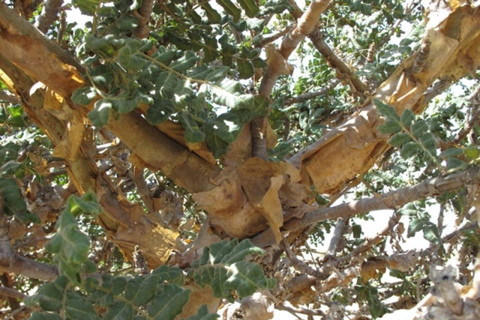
202, 159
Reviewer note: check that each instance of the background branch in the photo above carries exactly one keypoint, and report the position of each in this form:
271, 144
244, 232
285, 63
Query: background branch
49, 14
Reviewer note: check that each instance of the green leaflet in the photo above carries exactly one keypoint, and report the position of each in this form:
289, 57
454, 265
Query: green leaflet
230, 8
166, 84
84, 96
50, 295
87, 7
193, 133
45, 316
69, 244
169, 302
203, 314
245, 68
222, 267
128, 56
119, 310
141, 290
100, 115
160, 111
212, 15
229, 93
13, 201
413, 136
250, 7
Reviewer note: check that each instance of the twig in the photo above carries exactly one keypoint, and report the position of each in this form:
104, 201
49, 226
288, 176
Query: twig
272, 37
4, 96
300, 309
472, 115
9, 292
337, 236
343, 71
390, 200
369, 242
298, 264
311, 95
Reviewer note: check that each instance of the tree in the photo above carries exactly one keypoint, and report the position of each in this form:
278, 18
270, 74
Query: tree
162, 162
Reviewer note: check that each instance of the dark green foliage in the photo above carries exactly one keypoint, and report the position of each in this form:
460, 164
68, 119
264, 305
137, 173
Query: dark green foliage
222, 267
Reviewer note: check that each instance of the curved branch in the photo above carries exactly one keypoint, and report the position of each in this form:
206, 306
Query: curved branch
390, 200
343, 71
311, 95
49, 14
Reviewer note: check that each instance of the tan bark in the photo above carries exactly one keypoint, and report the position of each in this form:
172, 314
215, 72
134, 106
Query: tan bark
350, 150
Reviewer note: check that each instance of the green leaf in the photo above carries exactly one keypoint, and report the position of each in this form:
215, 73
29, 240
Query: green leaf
222, 267
127, 23
84, 96
193, 133
165, 85
390, 127
212, 15
452, 152
399, 139
387, 111
50, 295
102, 75
210, 52
203, 314
227, 126
419, 128
168, 302
141, 290
124, 105
429, 143
80, 309
410, 149
245, 68
431, 234
230, 8
414, 226
216, 144
119, 311
250, 7
100, 115
229, 93
188, 61
128, 56
100, 46
472, 153
171, 274
160, 111
13, 202
45, 316
165, 57
246, 278
87, 7
69, 244
407, 118
86, 203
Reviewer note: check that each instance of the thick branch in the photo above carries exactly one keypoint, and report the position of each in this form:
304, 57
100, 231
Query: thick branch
277, 66
28, 49
49, 14
390, 200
